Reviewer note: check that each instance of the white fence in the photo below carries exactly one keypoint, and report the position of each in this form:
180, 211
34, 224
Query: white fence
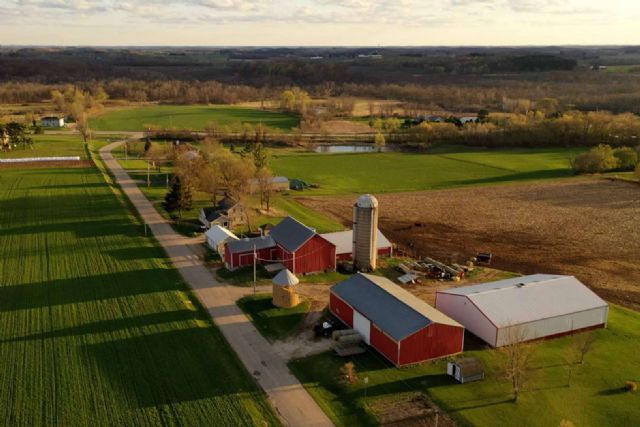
41, 159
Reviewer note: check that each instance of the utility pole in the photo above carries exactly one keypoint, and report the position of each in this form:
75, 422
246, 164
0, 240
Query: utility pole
126, 145
255, 262
148, 175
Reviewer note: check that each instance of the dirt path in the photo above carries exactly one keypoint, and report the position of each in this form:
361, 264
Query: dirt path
587, 227
292, 402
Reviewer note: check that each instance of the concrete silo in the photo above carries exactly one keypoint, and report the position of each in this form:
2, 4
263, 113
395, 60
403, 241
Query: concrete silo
365, 233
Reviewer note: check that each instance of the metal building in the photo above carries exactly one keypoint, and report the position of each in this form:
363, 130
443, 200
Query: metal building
524, 308
365, 233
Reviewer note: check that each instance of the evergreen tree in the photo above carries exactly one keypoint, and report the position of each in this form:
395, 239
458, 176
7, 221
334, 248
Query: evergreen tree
173, 199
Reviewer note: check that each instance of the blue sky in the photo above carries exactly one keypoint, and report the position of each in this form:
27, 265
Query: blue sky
318, 22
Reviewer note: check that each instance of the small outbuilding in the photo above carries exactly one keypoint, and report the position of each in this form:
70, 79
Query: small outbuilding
399, 325
284, 293
524, 308
277, 184
52, 122
217, 236
466, 370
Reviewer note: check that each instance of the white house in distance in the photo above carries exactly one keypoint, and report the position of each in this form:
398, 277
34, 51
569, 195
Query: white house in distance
524, 308
52, 122
217, 236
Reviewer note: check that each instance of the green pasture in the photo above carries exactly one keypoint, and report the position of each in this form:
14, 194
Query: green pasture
192, 117
49, 146
558, 388
397, 171
96, 328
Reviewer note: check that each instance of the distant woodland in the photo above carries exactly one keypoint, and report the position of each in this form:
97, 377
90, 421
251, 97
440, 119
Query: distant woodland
449, 79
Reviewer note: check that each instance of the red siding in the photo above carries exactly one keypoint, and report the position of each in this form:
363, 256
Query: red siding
341, 309
314, 256
436, 340
243, 259
384, 344
384, 252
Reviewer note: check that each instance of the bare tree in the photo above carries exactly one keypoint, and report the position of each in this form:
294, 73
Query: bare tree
265, 186
82, 125
584, 344
517, 356
348, 373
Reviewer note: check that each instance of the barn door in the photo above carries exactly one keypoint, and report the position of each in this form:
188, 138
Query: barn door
363, 326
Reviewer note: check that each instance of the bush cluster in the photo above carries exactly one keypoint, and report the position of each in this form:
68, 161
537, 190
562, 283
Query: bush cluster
604, 158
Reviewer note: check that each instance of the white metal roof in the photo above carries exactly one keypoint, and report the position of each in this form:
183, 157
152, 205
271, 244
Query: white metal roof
219, 234
344, 241
529, 298
285, 278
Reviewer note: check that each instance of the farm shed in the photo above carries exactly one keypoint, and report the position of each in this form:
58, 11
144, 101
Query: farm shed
466, 370
400, 326
343, 240
239, 253
301, 249
278, 183
298, 247
524, 308
217, 236
52, 122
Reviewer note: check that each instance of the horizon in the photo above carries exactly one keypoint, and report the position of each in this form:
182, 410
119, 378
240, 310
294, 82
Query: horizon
318, 23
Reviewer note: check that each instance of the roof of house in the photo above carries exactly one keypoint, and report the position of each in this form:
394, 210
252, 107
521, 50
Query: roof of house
391, 308
528, 298
211, 214
343, 240
291, 234
51, 118
247, 245
226, 203
285, 278
220, 234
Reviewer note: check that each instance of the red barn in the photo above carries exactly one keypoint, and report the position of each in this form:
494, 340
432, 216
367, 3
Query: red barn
291, 243
239, 253
400, 326
301, 249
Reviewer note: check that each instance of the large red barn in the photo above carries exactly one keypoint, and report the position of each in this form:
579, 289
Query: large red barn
400, 326
298, 247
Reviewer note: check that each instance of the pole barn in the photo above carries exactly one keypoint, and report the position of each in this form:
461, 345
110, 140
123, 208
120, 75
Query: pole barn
524, 308
400, 326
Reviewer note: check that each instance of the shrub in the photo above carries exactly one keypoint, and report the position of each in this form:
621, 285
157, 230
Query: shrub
598, 159
631, 386
627, 157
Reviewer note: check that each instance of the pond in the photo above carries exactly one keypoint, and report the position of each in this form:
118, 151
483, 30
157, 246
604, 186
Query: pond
348, 148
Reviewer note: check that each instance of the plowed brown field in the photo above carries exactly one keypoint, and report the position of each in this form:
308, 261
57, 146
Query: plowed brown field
589, 228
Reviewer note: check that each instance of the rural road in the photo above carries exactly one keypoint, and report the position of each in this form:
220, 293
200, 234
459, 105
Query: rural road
292, 402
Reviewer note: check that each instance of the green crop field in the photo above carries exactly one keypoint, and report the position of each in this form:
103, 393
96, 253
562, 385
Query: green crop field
95, 327
192, 117
49, 146
594, 396
394, 171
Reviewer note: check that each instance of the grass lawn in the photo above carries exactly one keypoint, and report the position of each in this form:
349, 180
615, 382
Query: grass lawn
49, 146
394, 171
274, 323
96, 328
595, 397
193, 117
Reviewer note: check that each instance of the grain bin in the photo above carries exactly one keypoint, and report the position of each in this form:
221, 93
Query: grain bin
365, 233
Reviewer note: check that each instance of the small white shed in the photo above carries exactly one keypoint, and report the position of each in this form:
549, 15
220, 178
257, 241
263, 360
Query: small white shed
52, 122
217, 236
524, 308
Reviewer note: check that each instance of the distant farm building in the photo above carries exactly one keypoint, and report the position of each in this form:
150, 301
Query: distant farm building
291, 243
343, 240
400, 326
217, 236
228, 214
278, 183
470, 119
52, 122
524, 308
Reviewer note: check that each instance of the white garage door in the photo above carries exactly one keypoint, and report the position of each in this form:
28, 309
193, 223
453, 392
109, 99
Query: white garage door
363, 326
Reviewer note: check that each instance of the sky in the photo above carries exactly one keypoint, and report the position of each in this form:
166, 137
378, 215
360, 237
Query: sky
318, 22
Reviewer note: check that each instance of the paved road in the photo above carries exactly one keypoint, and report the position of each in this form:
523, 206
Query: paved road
288, 396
